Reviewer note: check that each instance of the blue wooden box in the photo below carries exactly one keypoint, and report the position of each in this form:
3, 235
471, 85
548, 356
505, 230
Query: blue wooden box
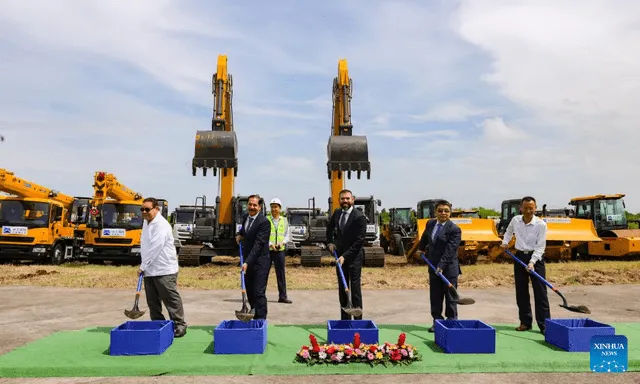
465, 336
343, 331
234, 337
141, 338
574, 335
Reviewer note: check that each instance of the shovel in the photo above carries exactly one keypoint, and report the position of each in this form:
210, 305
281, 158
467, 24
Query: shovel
454, 292
244, 314
349, 309
135, 312
565, 305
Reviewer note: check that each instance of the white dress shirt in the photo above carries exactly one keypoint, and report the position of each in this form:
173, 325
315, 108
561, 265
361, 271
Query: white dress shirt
246, 222
529, 237
286, 229
157, 248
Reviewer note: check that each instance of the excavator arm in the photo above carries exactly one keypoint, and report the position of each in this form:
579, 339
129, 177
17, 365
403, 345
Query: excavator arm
218, 148
14, 185
346, 153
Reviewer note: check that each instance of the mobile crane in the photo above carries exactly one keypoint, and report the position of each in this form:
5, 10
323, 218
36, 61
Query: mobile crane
114, 227
218, 149
348, 153
39, 223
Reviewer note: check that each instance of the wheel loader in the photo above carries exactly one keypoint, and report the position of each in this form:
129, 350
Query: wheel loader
397, 236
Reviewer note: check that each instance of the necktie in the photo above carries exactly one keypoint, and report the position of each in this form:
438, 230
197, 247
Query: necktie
435, 234
249, 223
343, 220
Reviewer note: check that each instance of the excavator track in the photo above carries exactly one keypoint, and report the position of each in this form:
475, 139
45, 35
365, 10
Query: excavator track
310, 256
189, 256
373, 257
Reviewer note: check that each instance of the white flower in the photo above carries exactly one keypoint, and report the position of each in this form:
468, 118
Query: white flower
340, 355
322, 355
411, 354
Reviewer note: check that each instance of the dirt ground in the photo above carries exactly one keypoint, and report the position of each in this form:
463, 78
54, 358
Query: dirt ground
30, 313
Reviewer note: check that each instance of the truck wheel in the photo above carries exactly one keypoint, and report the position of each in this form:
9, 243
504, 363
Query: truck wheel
57, 254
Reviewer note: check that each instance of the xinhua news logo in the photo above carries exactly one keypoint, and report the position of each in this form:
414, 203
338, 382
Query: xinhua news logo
609, 353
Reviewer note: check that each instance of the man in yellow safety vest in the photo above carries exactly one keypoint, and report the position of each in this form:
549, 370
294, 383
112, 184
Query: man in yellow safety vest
277, 241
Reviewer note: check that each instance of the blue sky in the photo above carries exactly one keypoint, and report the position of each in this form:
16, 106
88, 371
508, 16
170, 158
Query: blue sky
473, 101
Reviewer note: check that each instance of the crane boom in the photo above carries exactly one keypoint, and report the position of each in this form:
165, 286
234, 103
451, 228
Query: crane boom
14, 185
107, 185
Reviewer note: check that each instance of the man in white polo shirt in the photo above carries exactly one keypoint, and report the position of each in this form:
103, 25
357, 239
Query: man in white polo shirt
531, 239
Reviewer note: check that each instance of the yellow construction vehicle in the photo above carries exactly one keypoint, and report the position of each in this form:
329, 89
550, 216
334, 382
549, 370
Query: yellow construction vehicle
477, 238
472, 213
607, 213
115, 223
39, 223
348, 153
397, 235
218, 149
564, 233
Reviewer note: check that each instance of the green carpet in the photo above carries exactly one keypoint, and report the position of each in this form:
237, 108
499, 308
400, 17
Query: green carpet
86, 353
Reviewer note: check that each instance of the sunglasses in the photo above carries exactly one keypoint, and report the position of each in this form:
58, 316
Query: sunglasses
443, 211
146, 210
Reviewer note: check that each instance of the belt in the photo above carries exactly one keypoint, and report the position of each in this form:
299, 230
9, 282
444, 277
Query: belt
524, 252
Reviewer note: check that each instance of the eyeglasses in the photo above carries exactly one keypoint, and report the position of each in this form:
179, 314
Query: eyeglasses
146, 210
443, 211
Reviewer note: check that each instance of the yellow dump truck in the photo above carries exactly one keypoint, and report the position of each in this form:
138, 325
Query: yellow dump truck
39, 223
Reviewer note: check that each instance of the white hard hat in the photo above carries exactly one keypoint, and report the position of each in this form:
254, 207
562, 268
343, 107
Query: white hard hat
276, 201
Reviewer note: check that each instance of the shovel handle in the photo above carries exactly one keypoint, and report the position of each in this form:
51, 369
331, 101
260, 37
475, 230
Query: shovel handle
344, 281
531, 271
244, 289
440, 275
139, 284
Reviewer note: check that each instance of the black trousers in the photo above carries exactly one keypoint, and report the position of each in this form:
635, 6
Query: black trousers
163, 289
522, 277
352, 274
439, 292
256, 284
278, 260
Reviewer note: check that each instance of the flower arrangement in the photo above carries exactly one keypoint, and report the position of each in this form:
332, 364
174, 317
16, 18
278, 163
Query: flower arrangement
357, 352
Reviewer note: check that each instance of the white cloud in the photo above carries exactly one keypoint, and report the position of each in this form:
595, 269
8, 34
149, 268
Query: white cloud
450, 111
406, 134
496, 130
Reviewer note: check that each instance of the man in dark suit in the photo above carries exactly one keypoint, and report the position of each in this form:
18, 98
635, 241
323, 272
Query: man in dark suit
345, 234
254, 235
441, 238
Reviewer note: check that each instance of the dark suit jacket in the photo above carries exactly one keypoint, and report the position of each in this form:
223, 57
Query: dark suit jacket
443, 251
255, 242
350, 242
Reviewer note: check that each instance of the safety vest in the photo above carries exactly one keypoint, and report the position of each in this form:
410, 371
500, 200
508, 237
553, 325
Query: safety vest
279, 234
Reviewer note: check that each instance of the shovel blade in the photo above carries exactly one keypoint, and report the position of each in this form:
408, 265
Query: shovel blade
466, 301
245, 316
579, 308
351, 311
133, 313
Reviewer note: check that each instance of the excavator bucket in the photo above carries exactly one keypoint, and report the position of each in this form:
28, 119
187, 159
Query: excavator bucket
215, 149
348, 154
570, 229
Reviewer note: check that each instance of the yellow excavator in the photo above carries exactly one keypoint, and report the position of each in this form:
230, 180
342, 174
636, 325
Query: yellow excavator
39, 223
115, 223
607, 213
348, 153
565, 234
218, 149
477, 238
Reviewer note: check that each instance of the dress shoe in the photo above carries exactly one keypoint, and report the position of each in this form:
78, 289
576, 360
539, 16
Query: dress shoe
180, 331
432, 329
523, 327
286, 301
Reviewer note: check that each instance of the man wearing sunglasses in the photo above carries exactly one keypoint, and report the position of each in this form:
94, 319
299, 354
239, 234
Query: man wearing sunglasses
159, 264
442, 238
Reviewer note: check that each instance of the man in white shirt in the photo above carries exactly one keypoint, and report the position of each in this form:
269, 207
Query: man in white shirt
531, 239
159, 264
279, 237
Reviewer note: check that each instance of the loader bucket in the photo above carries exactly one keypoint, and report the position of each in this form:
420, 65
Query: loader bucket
215, 149
570, 229
480, 230
348, 153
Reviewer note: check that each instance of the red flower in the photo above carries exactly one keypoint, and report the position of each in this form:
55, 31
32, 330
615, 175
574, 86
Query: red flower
395, 355
314, 343
373, 349
356, 340
331, 351
402, 339
348, 352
